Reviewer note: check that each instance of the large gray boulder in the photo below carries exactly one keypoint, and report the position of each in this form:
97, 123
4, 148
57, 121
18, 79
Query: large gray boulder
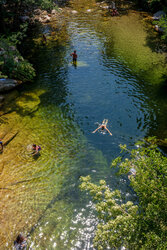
7, 84
158, 15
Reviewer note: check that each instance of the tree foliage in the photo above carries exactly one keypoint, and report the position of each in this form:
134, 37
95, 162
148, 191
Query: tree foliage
142, 226
12, 64
13, 31
11, 10
152, 5
163, 24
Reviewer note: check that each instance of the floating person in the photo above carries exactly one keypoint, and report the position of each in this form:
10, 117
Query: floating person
35, 149
103, 127
21, 242
74, 57
1, 146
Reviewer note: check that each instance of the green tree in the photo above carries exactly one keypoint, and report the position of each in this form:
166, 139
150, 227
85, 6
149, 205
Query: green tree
124, 224
151, 5
163, 24
11, 10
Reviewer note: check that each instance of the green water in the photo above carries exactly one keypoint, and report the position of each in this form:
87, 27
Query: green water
118, 77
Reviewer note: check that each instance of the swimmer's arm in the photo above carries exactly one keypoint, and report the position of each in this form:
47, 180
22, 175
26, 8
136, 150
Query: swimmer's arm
108, 131
24, 243
35, 152
97, 129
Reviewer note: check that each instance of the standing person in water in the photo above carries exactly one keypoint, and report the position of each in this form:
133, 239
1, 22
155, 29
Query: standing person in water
20, 242
103, 127
74, 56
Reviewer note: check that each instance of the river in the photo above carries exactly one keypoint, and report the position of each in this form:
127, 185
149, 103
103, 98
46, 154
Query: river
120, 77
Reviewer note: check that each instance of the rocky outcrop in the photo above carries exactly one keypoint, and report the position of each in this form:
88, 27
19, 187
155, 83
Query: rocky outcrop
158, 15
44, 16
7, 84
27, 103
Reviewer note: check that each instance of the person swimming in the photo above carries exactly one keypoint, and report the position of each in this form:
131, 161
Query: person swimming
35, 149
103, 127
21, 242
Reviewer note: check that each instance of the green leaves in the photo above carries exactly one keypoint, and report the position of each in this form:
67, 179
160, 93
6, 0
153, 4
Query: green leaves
126, 224
163, 24
114, 218
12, 64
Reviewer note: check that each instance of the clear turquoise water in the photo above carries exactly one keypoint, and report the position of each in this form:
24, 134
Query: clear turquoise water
44, 200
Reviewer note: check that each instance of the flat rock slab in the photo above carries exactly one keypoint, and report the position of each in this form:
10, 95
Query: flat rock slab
7, 84
158, 15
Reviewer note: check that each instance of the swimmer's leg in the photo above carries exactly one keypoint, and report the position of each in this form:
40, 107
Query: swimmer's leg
105, 121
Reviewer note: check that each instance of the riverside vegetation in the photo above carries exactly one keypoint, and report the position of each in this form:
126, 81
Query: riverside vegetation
135, 226
15, 20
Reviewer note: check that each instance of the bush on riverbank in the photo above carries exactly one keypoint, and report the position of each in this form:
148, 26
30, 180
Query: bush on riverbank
12, 64
162, 23
151, 5
154, 6
15, 16
11, 12
141, 226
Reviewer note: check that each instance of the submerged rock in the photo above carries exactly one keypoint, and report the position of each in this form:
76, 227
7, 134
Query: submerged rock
89, 10
28, 103
8, 102
74, 12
